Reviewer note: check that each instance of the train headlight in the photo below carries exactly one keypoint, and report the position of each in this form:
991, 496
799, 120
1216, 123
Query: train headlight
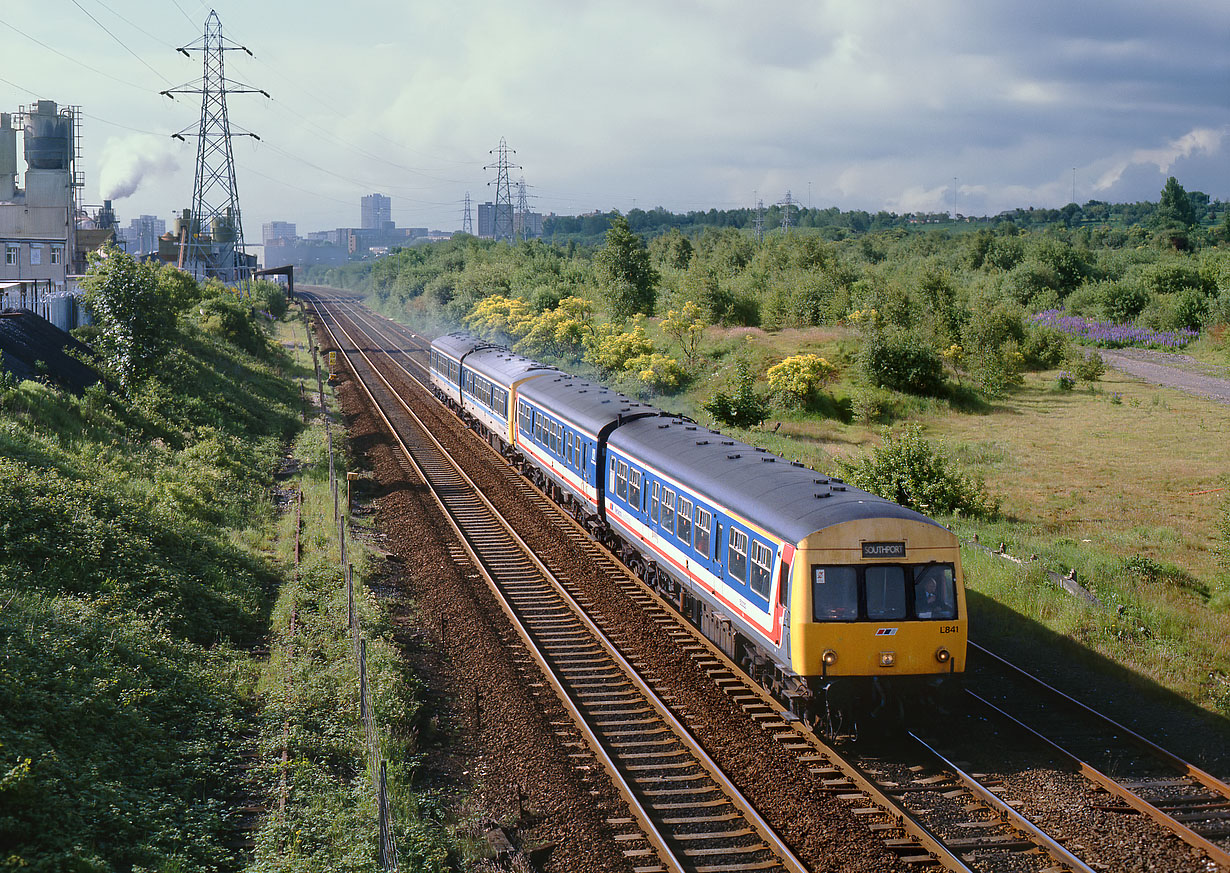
943, 655
829, 657
887, 659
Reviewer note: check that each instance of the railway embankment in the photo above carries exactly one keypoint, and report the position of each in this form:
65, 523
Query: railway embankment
160, 648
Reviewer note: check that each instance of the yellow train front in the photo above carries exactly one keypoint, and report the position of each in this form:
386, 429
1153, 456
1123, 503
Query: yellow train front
878, 618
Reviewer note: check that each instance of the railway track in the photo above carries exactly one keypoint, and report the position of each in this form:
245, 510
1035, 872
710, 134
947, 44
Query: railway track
690, 815
909, 813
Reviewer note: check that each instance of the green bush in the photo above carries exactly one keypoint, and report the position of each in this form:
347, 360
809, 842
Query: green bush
743, 408
228, 319
907, 468
902, 362
1086, 367
1044, 348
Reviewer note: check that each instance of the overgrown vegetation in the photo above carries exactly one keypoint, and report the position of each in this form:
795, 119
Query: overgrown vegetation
985, 332
135, 581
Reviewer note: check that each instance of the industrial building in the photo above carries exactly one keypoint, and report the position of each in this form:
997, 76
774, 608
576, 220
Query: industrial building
38, 222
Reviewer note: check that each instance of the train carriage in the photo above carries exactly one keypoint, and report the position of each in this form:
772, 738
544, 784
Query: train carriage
835, 599
445, 362
809, 582
490, 378
562, 428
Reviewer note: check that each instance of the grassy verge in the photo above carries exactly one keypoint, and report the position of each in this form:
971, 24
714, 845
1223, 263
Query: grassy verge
322, 809
131, 588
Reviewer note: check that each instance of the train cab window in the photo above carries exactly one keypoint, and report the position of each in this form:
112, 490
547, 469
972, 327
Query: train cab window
736, 555
834, 593
621, 481
704, 524
668, 509
935, 591
685, 520
762, 563
634, 489
885, 585
654, 502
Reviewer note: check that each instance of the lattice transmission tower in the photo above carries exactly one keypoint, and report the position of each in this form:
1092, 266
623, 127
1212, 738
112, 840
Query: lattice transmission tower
787, 206
503, 225
758, 221
467, 221
211, 242
523, 208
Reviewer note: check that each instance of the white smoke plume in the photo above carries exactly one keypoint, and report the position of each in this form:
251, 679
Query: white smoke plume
128, 161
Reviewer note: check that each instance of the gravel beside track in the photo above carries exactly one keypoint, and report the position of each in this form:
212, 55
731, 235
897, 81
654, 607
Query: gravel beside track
819, 828
506, 753
515, 756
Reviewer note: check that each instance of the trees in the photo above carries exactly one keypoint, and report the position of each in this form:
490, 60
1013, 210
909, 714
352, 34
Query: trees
627, 279
1174, 210
135, 313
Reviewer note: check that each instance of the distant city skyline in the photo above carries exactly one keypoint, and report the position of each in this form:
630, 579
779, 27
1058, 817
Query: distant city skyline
953, 105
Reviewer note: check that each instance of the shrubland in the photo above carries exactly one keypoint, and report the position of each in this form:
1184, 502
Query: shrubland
975, 343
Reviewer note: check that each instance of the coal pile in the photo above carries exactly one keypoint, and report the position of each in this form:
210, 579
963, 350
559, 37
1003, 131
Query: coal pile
27, 339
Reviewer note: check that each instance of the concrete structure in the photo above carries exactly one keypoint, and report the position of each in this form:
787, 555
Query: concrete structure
38, 221
530, 221
141, 235
273, 230
375, 212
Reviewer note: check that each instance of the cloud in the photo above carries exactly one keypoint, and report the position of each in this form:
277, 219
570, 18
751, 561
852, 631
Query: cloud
128, 161
1201, 140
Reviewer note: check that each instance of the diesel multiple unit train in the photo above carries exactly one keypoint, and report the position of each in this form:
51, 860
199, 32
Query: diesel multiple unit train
838, 601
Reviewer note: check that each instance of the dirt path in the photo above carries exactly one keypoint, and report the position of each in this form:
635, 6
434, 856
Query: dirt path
1181, 372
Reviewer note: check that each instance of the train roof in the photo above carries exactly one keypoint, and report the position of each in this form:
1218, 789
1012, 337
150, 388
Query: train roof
786, 498
583, 404
458, 344
503, 366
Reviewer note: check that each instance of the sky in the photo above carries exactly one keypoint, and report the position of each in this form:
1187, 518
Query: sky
964, 106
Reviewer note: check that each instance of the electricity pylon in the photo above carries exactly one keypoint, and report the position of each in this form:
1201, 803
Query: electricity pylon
467, 222
213, 243
503, 224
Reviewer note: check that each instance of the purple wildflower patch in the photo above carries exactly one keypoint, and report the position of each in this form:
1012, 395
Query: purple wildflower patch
1109, 335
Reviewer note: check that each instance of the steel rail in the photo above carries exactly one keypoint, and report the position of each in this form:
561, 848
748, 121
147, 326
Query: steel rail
1006, 812
926, 839
764, 831
1206, 779
1125, 794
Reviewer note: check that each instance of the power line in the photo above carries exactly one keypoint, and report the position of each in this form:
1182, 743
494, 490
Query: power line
121, 43
77, 61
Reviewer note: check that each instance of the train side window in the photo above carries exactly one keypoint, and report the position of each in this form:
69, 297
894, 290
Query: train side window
685, 519
568, 448
762, 563
654, 502
935, 591
704, 524
885, 585
834, 593
634, 489
668, 509
621, 481
736, 555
